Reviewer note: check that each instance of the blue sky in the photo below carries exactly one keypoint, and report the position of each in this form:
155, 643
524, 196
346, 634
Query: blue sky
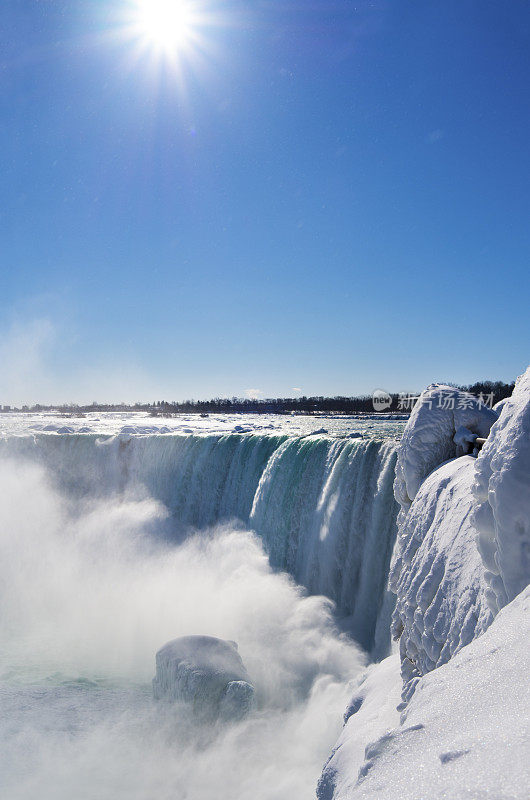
328, 195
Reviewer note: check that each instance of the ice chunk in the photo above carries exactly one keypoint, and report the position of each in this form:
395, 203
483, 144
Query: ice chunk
208, 674
502, 495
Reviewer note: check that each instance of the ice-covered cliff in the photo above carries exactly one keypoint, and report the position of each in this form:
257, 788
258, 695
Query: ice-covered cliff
463, 726
437, 574
502, 499
429, 436
436, 570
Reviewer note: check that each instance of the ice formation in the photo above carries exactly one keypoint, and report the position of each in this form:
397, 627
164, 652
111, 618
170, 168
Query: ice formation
206, 673
463, 726
437, 572
429, 436
502, 496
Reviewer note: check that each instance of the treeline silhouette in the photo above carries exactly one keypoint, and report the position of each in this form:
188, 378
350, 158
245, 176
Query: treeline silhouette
491, 392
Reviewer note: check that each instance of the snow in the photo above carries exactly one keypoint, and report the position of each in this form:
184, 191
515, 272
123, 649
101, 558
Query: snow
371, 712
208, 674
464, 734
437, 572
429, 436
463, 731
463, 439
502, 496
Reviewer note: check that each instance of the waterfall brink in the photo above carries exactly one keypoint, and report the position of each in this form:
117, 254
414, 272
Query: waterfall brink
326, 511
323, 507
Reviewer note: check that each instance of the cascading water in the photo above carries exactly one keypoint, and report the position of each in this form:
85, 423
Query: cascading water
111, 546
323, 507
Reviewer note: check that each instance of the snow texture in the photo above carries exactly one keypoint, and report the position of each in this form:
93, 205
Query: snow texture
208, 674
502, 495
465, 732
429, 436
436, 570
437, 573
370, 714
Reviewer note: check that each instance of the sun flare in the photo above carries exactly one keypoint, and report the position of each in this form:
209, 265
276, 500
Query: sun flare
166, 24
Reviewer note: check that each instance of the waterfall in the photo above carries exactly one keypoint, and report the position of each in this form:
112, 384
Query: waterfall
324, 507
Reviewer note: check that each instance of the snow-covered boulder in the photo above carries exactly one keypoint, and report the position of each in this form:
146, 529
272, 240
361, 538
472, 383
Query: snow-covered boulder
429, 436
502, 493
437, 573
208, 674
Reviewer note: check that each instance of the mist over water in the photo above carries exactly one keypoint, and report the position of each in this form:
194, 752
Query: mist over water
89, 590
323, 507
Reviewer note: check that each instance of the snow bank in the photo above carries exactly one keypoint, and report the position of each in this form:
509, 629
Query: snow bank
502, 493
464, 733
208, 674
437, 573
429, 436
370, 714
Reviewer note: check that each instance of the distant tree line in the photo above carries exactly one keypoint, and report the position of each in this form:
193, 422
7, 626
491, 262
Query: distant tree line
280, 405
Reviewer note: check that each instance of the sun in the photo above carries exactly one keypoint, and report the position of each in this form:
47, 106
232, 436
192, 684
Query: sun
172, 39
167, 25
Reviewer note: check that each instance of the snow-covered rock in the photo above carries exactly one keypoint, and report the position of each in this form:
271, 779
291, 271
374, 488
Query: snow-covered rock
429, 436
502, 492
437, 573
208, 674
465, 731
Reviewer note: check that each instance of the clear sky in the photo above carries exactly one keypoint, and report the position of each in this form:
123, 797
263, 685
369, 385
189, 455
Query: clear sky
312, 195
